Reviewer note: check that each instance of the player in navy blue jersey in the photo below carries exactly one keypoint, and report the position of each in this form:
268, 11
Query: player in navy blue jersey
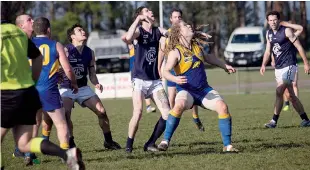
145, 75
284, 44
82, 60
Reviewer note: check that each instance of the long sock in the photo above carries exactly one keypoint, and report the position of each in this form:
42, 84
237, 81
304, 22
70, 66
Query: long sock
71, 142
304, 116
108, 137
287, 103
275, 118
171, 125
225, 128
158, 131
39, 145
46, 134
129, 142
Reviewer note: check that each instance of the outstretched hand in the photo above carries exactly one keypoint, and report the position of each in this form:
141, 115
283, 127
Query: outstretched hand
229, 69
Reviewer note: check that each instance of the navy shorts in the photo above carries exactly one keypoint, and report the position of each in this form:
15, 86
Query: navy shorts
198, 95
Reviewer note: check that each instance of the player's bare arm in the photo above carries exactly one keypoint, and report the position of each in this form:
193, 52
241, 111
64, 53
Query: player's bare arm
266, 57
292, 37
212, 59
298, 28
163, 31
162, 46
92, 73
133, 31
173, 58
66, 67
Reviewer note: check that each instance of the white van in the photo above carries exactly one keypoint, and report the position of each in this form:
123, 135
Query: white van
111, 52
246, 46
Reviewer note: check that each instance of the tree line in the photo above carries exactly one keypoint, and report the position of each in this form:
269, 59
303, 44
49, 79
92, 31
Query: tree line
222, 17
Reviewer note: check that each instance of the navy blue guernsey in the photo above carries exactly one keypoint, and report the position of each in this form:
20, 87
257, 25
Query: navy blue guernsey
146, 52
282, 48
80, 64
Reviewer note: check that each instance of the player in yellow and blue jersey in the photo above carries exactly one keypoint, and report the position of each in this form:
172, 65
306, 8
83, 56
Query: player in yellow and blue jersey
54, 56
175, 17
187, 60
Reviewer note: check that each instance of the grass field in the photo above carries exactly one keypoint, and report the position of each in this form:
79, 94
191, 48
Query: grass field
286, 147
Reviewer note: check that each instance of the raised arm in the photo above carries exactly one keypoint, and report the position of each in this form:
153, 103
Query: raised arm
133, 31
298, 28
292, 37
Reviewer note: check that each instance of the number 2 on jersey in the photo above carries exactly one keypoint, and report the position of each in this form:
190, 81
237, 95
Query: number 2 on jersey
45, 51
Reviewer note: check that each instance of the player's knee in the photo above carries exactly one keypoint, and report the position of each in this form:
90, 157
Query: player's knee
179, 107
222, 107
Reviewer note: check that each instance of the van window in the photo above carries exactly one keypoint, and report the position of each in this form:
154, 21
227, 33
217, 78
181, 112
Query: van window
246, 38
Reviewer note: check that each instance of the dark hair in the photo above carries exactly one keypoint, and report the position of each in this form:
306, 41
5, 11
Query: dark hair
273, 13
176, 10
138, 11
70, 31
41, 25
5, 10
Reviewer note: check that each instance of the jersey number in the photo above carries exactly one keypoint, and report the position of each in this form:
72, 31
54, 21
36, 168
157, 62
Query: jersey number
45, 51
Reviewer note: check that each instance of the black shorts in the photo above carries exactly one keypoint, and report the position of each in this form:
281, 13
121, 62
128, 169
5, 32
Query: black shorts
19, 107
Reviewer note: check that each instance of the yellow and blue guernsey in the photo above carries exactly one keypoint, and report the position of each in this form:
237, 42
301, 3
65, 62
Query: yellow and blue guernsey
47, 83
191, 65
131, 57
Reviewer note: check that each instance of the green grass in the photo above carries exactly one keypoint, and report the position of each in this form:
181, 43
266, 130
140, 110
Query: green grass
286, 147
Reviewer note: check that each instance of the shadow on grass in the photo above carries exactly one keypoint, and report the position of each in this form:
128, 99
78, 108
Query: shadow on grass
264, 128
190, 145
150, 155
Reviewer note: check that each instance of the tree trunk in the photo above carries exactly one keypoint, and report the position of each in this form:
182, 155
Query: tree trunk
303, 36
293, 16
241, 13
268, 8
52, 10
256, 19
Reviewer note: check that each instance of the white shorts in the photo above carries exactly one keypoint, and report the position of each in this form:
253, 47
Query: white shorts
286, 74
147, 87
83, 94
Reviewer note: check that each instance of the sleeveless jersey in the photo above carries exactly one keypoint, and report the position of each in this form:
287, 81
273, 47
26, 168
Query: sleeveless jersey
80, 64
282, 48
191, 65
49, 74
146, 54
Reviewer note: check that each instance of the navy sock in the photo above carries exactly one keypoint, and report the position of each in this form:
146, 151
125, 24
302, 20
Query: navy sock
158, 131
304, 116
275, 118
129, 142
287, 103
108, 137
